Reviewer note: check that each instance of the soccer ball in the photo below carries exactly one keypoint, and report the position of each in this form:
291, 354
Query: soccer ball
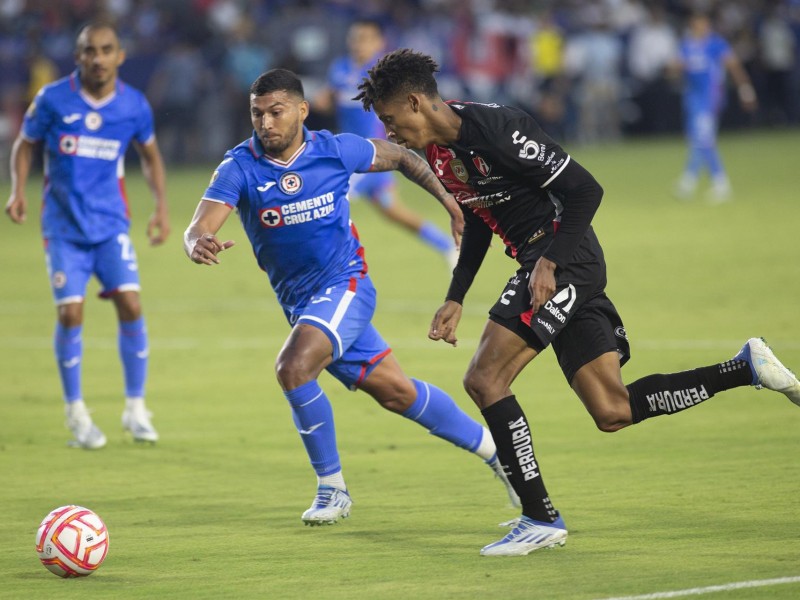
72, 541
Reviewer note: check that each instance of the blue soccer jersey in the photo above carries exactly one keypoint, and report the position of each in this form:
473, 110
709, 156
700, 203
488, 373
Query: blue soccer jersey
296, 213
84, 148
704, 72
344, 76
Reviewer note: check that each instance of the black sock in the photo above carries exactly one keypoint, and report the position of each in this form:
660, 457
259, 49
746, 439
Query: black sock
667, 394
511, 434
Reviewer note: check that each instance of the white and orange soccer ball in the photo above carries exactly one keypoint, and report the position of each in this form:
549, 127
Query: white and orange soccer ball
72, 541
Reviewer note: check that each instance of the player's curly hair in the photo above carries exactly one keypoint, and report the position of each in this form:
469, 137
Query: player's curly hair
400, 72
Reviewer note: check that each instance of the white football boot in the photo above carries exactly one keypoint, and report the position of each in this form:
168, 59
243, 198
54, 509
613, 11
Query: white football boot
136, 419
768, 372
499, 472
87, 435
528, 535
330, 504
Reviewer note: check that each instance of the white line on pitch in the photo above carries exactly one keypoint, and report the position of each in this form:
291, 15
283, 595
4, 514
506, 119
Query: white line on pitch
726, 587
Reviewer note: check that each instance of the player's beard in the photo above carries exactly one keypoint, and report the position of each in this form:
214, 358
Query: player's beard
281, 144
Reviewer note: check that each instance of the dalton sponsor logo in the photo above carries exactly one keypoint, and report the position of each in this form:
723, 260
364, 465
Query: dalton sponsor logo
568, 295
523, 448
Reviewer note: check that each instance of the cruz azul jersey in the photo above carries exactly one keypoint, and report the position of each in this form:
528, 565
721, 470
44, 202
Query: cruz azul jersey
296, 213
344, 76
504, 169
704, 72
84, 151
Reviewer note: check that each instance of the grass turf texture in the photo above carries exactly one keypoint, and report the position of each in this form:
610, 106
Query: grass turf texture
213, 511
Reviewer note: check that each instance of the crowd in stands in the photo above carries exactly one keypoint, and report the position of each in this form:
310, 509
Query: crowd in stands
590, 70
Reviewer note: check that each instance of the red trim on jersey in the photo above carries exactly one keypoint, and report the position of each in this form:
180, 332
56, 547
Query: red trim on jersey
527, 316
253, 149
486, 215
360, 252
440, 160
365, 366
124, 197
72, 81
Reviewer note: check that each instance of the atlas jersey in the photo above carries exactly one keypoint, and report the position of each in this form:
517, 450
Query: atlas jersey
344, 76
503, 169
85, 141
296, 213
704, 72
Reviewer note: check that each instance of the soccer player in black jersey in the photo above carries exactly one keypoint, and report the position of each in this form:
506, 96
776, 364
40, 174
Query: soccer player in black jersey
512, 180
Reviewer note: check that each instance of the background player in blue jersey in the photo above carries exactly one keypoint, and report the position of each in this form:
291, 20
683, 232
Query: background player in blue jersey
365, 42
289, 186
86, 122
704, 58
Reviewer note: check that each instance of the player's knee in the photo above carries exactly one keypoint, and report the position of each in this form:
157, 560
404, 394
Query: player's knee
129, 307
610, 420
70, 315
477, 385
291, 373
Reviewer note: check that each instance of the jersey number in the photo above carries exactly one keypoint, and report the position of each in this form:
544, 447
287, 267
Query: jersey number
126, 248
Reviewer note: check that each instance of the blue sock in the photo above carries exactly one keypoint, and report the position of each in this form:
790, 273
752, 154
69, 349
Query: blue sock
69, 353
133, 352
313, 417
436, 411
433, 236
714, 163
695, 161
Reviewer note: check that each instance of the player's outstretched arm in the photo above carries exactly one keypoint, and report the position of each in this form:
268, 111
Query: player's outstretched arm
200, 241
391, 157
21, 158
158, 227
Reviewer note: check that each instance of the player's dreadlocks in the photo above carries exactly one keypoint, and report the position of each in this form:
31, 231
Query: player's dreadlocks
401, 71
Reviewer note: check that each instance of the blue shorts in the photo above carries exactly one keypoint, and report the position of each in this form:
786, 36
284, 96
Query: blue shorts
375, 187
343, 311
70, 266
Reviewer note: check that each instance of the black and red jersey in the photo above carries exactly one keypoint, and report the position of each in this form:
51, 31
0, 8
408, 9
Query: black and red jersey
512, 179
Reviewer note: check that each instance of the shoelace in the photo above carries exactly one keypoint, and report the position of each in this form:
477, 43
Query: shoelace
324, 497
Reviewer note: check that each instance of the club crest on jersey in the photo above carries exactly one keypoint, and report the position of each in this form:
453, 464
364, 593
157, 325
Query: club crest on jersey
459, 170
59, 279
291, 183
270, 217
481, 165
93, 121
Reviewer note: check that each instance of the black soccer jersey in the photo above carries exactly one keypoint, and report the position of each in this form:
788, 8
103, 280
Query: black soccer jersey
511, 179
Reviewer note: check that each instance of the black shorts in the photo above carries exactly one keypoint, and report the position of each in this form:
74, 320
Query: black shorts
580, 321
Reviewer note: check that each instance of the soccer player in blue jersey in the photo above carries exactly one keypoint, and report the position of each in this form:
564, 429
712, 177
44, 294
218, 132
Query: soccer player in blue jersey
289, 186
366, 43
85, 123
704, 58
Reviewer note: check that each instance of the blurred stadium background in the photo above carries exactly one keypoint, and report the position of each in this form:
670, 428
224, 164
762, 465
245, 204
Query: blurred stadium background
566, 62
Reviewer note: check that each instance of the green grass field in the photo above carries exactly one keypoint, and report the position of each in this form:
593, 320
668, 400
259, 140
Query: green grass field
704, 498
